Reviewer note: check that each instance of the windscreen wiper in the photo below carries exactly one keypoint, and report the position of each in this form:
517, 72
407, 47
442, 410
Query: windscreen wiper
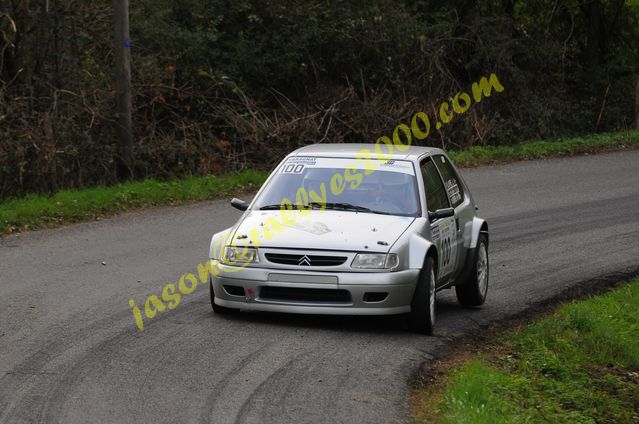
356, 208
330, 205
347, 207
294, 206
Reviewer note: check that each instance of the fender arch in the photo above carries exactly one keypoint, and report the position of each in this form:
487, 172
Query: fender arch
419, 249
480, 226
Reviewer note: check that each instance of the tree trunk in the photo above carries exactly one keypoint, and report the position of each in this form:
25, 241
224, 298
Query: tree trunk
123, 88
637, 102
508, 6
593, 13
594, 33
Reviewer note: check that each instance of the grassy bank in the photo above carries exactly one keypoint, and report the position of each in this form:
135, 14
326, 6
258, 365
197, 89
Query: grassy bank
594, 143
67, 206
35, 211
581, 364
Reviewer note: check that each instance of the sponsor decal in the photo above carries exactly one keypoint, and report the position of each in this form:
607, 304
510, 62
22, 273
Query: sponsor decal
453, 191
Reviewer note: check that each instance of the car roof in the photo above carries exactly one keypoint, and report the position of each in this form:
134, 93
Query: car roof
352, 150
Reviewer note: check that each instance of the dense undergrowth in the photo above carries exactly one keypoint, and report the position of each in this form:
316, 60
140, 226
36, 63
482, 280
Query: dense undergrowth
222, 86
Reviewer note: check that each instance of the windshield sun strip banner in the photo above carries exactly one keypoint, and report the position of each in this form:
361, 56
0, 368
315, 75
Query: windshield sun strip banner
297, 164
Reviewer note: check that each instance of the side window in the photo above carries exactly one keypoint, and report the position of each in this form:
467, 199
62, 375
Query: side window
451, 181
436, 197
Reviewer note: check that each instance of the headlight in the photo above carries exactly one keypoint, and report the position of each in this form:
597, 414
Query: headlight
375, 261
237, 255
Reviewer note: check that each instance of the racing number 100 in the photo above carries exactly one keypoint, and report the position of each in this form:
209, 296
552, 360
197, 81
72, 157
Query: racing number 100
293, 168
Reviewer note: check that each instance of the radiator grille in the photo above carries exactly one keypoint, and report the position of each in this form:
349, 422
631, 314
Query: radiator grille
305, 260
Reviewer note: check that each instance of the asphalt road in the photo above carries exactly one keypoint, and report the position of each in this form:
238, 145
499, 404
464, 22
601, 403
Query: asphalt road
70, 351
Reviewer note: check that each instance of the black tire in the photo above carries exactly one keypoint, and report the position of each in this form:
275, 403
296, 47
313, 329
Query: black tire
421, 318
217, 308
473, 291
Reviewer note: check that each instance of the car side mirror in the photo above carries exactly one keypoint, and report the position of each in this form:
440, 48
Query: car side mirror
441, 213
239, 204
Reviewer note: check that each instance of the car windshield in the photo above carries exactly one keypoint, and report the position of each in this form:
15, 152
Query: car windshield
372, 186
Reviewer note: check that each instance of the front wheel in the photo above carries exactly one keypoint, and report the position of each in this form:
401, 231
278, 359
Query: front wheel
422, 313
217, 308
473, 291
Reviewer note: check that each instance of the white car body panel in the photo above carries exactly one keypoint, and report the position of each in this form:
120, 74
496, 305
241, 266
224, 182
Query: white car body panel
326, 230
293, 286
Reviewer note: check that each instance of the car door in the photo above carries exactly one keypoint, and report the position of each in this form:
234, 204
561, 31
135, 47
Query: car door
464, 210
443, 230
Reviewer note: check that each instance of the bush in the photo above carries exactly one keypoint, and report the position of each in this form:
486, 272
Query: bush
222, 86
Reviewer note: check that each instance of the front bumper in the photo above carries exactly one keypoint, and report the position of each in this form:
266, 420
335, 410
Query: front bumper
313, 292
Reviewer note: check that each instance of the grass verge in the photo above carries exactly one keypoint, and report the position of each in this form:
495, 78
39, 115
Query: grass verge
486, 155
36, 211
580, 364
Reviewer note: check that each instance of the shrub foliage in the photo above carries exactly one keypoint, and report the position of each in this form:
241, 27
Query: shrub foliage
225, 85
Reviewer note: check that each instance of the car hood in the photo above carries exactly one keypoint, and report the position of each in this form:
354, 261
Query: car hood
324, 230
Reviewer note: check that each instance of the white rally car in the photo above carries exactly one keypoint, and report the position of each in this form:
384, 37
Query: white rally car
335, 231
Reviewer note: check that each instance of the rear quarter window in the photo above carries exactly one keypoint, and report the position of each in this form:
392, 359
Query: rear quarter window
452, 183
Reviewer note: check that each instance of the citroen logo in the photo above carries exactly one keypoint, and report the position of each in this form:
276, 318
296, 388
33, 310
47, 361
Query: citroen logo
304, 260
